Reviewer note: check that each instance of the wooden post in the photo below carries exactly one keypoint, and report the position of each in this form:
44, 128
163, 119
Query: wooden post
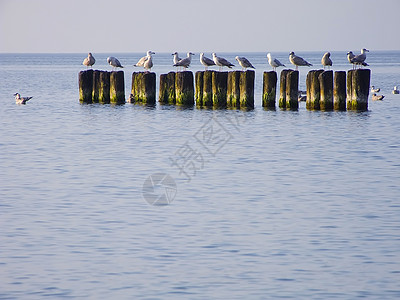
167, 88
339, 90
184, 88
219, 88
292, 90
282, 96
117, 87
207, 89
104, 89
326, 90
359, 89
313, 90
199, 83
85, 86
96, 86
143, 88
269, 89
247, 89
233, 89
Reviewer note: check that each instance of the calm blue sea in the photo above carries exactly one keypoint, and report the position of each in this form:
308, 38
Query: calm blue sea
263, 204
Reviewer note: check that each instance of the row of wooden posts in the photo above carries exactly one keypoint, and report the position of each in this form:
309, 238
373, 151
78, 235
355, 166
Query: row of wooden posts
326, 90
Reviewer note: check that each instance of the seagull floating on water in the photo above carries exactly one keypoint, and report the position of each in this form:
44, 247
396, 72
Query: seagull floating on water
146, 61
221, 62
21, 100
89, 61
374, 90
395, 91
185, 62
244, 62
274, 63
112, 61
376, 97
326, 61
205, 61
298, 61
359, 59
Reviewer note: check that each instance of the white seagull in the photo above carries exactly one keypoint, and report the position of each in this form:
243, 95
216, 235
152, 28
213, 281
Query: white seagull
273, 62
176, 58
113, 62
221, 62
185, 62
142, 61
21, 100
360, 59
298, 61
350, 56
395, 91
374, 90
89, 61
326, 61
205, 61
244, 62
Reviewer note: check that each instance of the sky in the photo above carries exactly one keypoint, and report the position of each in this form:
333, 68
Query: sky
77, 26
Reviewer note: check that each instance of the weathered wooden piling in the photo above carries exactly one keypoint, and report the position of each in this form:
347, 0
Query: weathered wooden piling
86, 86
282, 89
167, 88
339, 90
104, 87
358, 89
96, 86
219, 88
247, 89
313, 90
117, 87
143, 88
292, 90
233, 89
199, 83
269, 89
326, 90
207, 89
184, 88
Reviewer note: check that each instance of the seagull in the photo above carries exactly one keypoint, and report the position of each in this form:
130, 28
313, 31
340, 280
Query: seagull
176, 57
359, 59
142, 61
244, 62
395, 91
21, 100
350, 56
326, 61
374, 90
221, 62
298, 61
185, 62
273, 62
376, 97
148, 64
112, 61
205, 61
89, 61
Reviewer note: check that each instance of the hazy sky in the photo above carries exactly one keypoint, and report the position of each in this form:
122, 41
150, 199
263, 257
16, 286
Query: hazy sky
206, 25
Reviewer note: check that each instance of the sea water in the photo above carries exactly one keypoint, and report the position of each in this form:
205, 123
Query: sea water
262, 204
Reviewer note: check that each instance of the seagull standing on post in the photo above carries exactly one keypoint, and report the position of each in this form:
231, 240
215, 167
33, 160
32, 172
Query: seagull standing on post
89, 61
176, 58
205, 61
298, 61
273, 62
326, 61
360, 59
221, 62
113, 62
185, 62
244, 62
141, 62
